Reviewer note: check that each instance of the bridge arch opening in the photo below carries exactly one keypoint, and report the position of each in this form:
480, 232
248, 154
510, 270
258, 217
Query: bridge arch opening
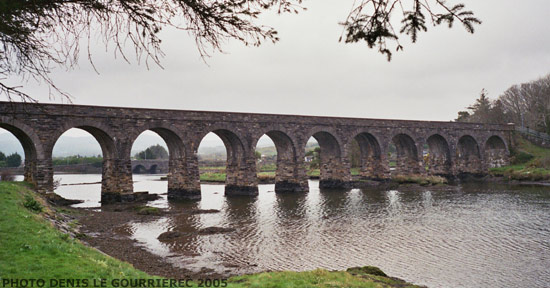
276, 162
83, 154
17, 154
496, 154
158, 150
438, 159
139, 169
326, 158
212, 157
405, 156
366, 157
468, 156
240, 176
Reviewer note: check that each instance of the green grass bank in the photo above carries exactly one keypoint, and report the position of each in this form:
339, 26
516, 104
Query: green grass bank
528, 162
32, 248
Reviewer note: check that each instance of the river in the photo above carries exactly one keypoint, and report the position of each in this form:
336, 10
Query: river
470, 235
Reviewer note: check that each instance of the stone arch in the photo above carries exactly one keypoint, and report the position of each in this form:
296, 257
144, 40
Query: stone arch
439, 155
222, 130
153, 169
406, 161
101, 133
31, 144
333, 171
139, 169
287, 176
240, 171
173, 140
235, 151
113, 181
496, 153
371, 164
468, 156
179, 178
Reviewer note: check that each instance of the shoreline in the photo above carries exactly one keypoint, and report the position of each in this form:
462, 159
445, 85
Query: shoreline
115, 256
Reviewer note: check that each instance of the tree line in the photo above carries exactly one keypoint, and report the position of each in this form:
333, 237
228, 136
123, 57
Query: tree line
12, 160
526, 105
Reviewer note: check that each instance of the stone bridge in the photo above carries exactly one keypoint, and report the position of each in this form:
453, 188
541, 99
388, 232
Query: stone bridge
150, 166
453, 148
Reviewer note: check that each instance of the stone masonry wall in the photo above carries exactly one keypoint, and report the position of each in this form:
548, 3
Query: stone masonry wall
38, 126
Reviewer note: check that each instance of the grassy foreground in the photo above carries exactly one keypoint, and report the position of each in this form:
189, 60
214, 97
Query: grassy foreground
31, 248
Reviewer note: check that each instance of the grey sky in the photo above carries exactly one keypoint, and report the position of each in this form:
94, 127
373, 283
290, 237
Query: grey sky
308, 72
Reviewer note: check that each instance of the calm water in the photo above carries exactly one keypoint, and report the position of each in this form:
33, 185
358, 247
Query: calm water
461, 236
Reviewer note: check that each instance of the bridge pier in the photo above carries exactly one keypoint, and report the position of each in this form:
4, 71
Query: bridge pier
439, 165
334, 173
291, 176
241, 177
42, 175
116, 181
184, 179
29, 170
374, 168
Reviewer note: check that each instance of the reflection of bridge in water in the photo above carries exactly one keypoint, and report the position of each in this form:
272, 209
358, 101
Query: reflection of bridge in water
453, 148
157, 166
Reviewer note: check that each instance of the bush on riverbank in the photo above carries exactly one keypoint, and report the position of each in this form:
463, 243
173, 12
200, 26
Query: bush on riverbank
33, 249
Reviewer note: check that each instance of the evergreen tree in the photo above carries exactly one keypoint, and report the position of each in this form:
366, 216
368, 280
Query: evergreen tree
481, 109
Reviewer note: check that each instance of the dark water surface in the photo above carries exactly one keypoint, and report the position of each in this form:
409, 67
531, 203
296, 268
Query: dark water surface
460, 236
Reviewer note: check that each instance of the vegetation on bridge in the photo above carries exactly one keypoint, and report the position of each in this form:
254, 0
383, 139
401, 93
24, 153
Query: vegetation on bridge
33, 249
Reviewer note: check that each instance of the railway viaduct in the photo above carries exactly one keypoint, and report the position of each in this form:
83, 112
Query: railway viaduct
453, 148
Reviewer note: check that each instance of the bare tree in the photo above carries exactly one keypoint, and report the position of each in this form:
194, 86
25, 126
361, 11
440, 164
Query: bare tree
36, 36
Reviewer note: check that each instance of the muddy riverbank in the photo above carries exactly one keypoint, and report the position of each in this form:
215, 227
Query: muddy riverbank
109, 230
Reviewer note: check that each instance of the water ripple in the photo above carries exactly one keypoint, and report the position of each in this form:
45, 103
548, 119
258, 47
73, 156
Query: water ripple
464, 236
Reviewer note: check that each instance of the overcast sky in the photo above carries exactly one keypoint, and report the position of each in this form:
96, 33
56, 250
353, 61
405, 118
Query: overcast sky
308, 72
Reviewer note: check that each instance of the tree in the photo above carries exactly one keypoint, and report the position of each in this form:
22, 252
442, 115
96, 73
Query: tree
463, 116
316, 157
483, 111
2, 156
13, 160
36, 36
153, 152
526, 104
481, 108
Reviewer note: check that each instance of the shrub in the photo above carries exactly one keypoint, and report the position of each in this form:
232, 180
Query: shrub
33, 205
522, 158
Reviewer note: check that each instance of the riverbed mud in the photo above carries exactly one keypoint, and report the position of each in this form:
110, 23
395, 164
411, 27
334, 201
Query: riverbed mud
108, 231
